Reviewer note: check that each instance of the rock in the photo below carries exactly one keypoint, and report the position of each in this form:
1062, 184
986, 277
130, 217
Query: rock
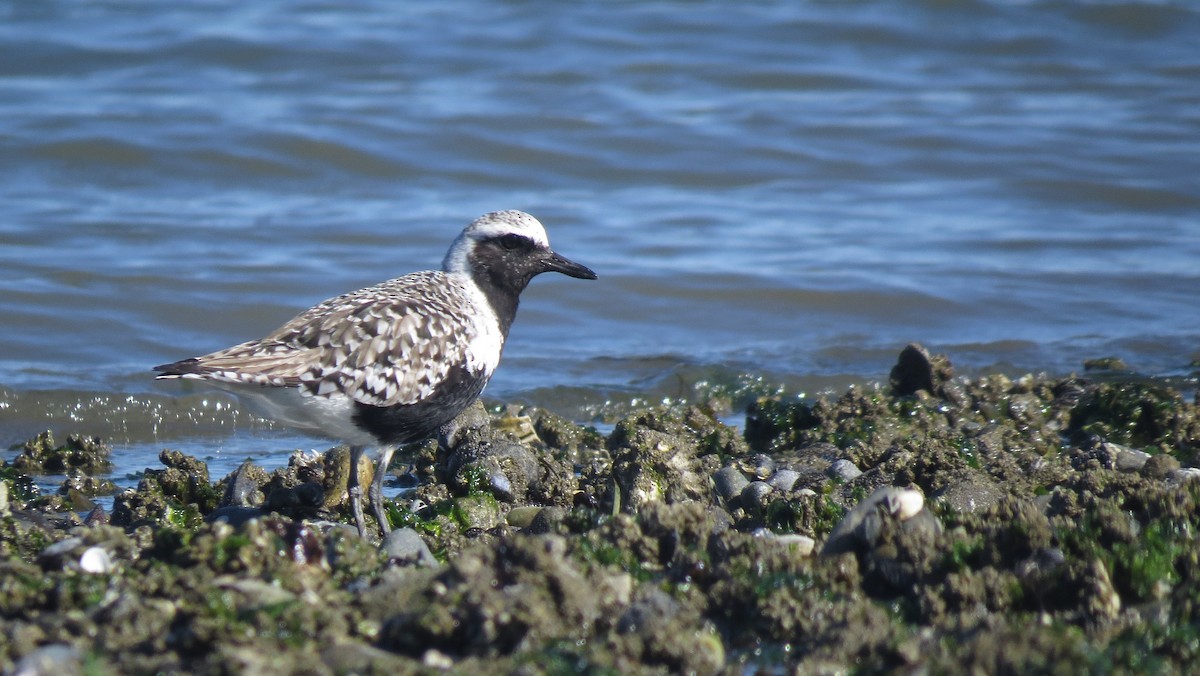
40, 455
1184, 475
667, 455
303, 499
95, 560
970, 493
547, 520
1125, 459
801, 545
78, 483
57, 554
784, 479
758, 465
755, 492
479, 458
729, 482
844, 470
406, 547
521, 517
916, 370
356, 658
1159, 466
478, 511
861, 525
57, 658
243, 486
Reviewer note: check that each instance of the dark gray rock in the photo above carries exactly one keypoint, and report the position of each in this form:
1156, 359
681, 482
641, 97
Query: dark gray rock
729, 482
784, 479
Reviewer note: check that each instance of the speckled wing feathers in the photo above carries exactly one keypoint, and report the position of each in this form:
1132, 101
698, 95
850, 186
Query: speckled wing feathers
385, 345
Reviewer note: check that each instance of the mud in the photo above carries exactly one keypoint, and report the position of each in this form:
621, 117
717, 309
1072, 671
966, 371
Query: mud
931, 524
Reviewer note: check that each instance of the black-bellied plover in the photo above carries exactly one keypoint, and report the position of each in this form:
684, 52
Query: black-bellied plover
390, 364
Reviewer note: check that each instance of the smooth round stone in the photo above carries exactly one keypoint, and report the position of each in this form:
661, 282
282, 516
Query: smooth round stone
729, 482
95, 560
784, 479
755, 491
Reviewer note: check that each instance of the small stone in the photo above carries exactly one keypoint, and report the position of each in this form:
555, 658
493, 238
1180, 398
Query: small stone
784, 479
96, 517
1125, 459
970, 495
1184, 475
755, 491
59, 550
547, 520
729, 482
56, 658
243, 487
95, 560
521, 517
800, 544
478, 511
844, 470
405, 546
916, 371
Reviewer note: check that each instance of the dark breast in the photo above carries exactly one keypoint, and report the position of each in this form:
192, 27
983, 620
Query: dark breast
408, 423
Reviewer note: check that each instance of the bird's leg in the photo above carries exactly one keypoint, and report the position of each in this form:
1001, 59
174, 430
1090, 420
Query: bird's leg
355, 490
385, 458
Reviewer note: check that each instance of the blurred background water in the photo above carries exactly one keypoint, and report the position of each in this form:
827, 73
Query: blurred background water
774, 194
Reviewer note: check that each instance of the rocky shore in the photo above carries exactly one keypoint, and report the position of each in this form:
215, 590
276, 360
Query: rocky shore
930, 524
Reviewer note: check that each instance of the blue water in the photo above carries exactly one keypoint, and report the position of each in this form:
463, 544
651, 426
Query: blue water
771, 192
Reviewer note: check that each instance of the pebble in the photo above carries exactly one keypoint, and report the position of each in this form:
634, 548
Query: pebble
970, 493
784, 479
1125, 459
755, 491
95, 560
242, 487
56, 658
800, 544
730, 482
547, 520
1183, 475
521, 517
405, 546
844, 470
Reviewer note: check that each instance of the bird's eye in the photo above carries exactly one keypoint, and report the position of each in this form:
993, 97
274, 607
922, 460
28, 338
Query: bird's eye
513, 242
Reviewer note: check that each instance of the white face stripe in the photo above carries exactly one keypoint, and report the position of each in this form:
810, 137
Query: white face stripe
487, 226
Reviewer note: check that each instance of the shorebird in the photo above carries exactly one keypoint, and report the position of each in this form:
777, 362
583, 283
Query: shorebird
390, 364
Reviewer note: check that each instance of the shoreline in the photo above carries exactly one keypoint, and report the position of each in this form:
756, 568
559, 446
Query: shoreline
933, 523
